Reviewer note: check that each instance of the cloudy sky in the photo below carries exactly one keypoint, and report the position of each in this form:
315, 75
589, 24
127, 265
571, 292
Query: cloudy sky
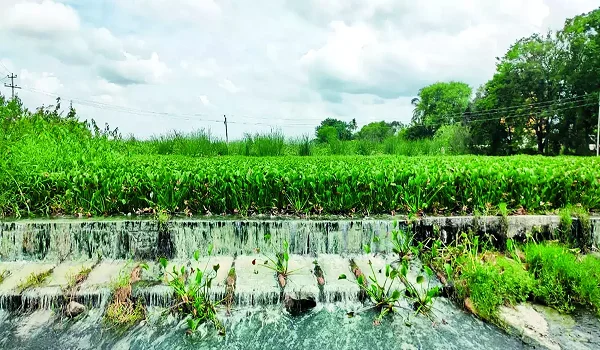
150, 66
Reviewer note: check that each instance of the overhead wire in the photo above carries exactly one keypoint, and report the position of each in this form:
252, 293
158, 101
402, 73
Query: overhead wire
473, 117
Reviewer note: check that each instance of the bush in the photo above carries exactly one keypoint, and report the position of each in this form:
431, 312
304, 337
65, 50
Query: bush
494, 283
565, 280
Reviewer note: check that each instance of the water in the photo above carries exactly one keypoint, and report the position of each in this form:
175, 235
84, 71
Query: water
267, 327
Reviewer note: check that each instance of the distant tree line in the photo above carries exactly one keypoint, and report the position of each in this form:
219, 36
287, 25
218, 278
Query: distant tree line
543, 98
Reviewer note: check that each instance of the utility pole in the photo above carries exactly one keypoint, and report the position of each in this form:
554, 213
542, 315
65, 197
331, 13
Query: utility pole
12, 84
598, 130
226, 135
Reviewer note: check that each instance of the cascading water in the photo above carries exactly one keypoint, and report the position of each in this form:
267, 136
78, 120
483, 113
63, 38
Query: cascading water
258, 320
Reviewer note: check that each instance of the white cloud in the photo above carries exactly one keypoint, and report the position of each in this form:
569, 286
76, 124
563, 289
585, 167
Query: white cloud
134, 70
175, 10
304, 60
40, 19
431, 42
229, 86
204, 99
44, 81
103, 42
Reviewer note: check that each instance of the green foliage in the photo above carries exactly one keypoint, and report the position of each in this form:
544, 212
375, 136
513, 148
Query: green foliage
566, 280
440, 104
492, 283
377, 131
191, 286
111, 183
3, 275
305, 147
334, 129
385, 296
452, 139
264, 144
34, 280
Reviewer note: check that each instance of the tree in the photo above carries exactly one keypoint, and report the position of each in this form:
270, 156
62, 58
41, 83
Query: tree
343, 129
440, 104
579, 41
378, 131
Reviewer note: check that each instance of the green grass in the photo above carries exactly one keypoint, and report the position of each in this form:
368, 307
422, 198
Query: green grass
35, 279
490, 285
56, 165
566, 279
550, 274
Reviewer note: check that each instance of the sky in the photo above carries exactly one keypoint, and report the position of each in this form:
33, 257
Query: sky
154, 66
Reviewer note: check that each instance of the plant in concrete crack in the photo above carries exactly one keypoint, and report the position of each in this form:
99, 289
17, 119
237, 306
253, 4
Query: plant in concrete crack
420, 292
192, 291
279, 263
4, 275
402, 243
384, 296
35, 279
123, 311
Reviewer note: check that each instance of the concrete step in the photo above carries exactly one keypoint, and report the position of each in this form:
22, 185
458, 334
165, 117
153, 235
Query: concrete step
256, 283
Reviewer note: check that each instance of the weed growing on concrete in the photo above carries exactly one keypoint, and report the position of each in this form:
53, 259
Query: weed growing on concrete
192, 286
278, 263
387, 295
124, 312
566, 280
384, 298
35, 279
4, 275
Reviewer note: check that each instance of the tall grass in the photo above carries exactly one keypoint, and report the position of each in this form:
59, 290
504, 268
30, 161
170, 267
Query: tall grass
198, 143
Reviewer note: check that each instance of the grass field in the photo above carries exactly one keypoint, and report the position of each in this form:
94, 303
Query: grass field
56, 165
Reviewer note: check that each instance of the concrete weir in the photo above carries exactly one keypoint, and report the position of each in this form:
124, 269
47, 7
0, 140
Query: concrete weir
109, 248
45, 265
79, 240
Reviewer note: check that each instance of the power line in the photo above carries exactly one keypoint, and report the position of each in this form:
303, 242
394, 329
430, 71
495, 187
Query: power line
6, 69
191, 117
12, 85
574, 102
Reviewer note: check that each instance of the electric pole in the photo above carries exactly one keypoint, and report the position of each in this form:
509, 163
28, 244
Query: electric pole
226, 135
12, 84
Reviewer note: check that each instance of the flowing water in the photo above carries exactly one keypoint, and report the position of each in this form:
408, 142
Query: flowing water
265, 327
32, 319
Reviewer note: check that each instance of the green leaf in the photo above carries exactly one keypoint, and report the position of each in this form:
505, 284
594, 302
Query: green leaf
448, 269
433, 292
163, 262
387, 270
376, 239
342, 277
396, 294
197, 254
199, 276
420, 279
183, 270
216, 267
361, 279
367, 249
210, 249
144, 266
428, 270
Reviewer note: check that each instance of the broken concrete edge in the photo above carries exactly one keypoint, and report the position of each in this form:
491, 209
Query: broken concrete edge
531, 326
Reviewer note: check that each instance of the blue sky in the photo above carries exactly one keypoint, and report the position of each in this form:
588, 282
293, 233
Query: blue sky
151, 66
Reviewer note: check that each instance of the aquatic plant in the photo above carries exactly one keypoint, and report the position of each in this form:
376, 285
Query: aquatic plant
191, 286
279, 263
123, 311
